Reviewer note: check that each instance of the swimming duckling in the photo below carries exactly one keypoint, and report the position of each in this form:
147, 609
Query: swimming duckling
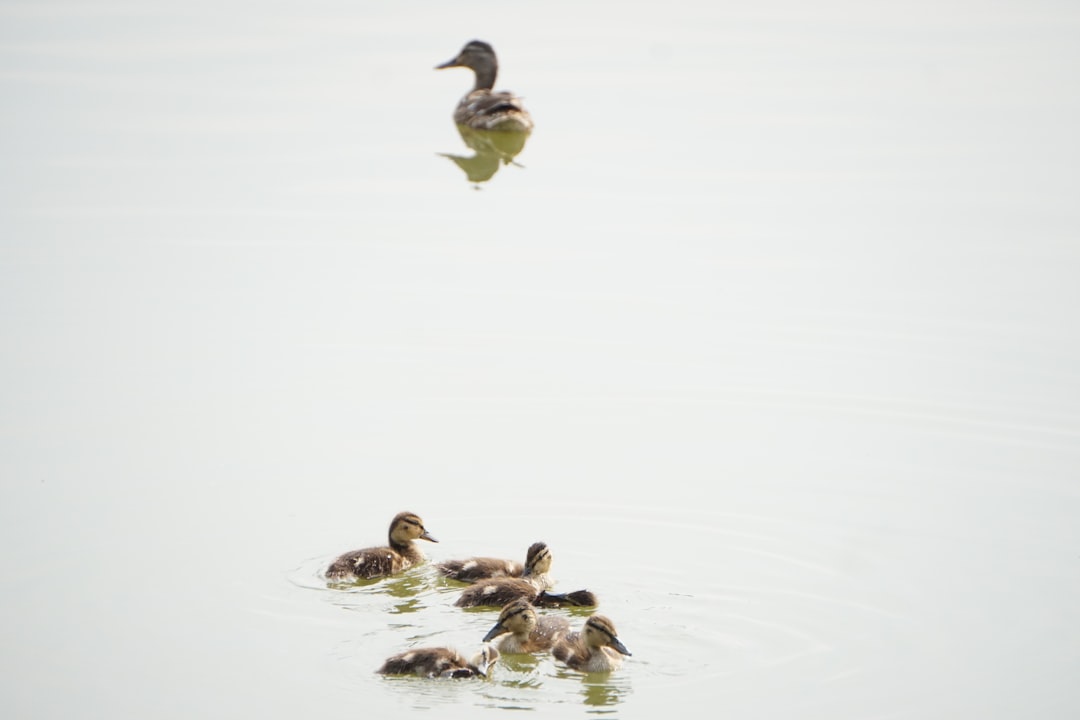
381, 561
440, 662
482, 108
498, 591
524, 631
596, 648
480, 568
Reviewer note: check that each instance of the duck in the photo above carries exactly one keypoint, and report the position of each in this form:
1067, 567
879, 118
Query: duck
533, 586
596, 648
376, 562
440, 662
498, 591
524, 631
481, 568
483, 108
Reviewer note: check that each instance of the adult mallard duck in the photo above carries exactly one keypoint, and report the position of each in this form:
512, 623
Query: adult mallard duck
537, 563
524, 631
596, 648
377, 562
483, 108
440, 662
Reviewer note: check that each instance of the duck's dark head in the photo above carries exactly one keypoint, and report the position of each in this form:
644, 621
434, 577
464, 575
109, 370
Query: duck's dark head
479, 57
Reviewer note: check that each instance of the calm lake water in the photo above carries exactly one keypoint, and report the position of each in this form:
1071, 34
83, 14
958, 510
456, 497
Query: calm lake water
770, 332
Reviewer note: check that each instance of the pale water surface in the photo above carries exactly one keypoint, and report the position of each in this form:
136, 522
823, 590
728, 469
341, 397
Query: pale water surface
771, 334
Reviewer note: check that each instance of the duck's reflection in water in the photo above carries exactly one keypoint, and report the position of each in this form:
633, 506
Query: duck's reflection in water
492, 149
406, 593
602, 691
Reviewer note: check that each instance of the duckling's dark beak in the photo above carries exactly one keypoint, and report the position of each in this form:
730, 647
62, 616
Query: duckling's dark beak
449, 64
494, 632
617, 644
526, 572
427, 536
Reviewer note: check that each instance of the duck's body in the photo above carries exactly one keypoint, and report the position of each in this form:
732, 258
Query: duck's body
484, 108
440, 662
524, 631
498, 591
375, 562
596, 648
482, 568
479, 568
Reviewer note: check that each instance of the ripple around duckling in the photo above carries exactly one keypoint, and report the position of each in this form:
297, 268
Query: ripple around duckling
409, 592
783, 597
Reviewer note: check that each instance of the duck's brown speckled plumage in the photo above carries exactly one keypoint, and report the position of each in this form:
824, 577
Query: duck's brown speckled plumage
440, 662
375, 562
498, 591
596, 648
484, 108
523, 631
533, 585
482, 568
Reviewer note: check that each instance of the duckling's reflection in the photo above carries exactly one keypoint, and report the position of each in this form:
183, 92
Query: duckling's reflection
492, 148
408, 589
601, 690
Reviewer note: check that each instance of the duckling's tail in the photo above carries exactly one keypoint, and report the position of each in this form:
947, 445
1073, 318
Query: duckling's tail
577, 598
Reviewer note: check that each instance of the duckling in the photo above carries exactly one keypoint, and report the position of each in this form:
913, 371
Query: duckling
498, 591
528, 632
480, 568
381, 561
482, 108
596, 648
440, 662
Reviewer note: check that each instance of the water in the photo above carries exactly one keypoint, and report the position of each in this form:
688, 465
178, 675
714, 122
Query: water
770, 334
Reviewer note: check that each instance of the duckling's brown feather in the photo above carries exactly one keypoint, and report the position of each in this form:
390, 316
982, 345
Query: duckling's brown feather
439, 662
368, 563
522, 630
479, 568
496, 592
400, 554
596, 648
537, 563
